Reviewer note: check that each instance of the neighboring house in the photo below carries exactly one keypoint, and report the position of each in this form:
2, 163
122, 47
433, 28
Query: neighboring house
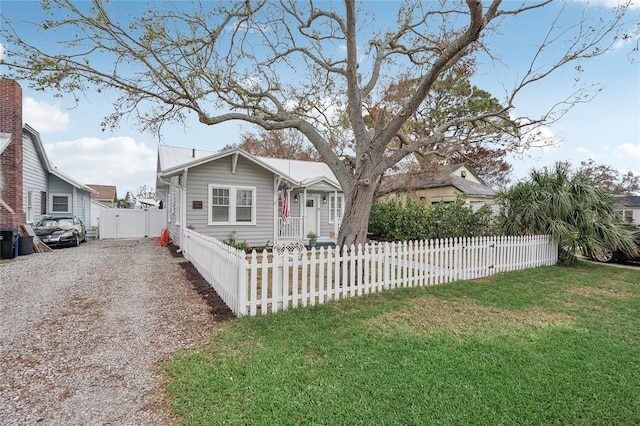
105, 197
630, 209
30, 186
434, 187
105, 194
233, 194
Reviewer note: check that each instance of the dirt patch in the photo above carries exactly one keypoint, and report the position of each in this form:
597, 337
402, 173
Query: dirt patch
595, 291
218, 309
463, 318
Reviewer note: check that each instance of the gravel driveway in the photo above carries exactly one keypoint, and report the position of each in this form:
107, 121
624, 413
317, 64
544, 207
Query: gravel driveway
82, 329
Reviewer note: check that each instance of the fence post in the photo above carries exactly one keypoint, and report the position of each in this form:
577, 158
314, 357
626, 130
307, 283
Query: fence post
278, 273
242, 285
457, 257
386, 253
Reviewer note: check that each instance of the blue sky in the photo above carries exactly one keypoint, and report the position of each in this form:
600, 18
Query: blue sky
607, 129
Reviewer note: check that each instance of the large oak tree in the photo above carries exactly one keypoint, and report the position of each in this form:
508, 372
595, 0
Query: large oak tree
301, 65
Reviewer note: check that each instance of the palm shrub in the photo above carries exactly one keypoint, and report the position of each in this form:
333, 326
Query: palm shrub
578, 214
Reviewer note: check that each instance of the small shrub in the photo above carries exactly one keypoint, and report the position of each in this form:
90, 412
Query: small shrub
244, 246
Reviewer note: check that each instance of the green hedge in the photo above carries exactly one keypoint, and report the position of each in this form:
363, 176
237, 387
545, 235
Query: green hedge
417, 221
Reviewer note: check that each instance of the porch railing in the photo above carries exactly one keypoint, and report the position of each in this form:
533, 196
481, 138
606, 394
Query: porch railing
291, 227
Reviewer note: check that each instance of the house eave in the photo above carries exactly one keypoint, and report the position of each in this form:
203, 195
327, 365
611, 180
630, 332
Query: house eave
44, 160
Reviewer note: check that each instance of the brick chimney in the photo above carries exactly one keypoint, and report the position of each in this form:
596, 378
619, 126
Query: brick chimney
11, 191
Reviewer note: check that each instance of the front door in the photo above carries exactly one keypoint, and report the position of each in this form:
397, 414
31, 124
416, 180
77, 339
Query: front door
311, 214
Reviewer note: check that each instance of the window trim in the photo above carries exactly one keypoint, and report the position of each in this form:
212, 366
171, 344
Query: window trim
43, 203
67, 196
233, 205
332, 201
175, 206
30, 213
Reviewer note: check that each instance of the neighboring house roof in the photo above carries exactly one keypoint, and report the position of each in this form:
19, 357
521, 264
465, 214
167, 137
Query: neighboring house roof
37, 142
452, 169
173, 160
631, 201
424, 180
103, 192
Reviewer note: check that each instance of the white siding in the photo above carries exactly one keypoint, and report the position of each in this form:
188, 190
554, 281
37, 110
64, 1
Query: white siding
247, 174
80, 200
34, 177
172, 204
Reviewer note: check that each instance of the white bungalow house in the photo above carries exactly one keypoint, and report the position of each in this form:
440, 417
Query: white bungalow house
233, 194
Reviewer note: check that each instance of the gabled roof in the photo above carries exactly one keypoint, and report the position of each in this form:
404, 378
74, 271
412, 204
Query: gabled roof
173, 160
472, 188
170, 157
631, 201
44, 160
423, 180
103, 192
451, 169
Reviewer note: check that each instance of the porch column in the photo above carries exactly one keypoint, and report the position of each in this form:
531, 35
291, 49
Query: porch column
303, 210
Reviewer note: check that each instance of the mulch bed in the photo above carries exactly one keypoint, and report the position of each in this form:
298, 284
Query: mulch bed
220, 312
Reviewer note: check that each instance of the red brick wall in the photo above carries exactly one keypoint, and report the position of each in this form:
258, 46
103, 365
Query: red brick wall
11, 159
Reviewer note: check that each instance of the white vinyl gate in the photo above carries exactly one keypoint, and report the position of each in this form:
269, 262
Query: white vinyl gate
131, 223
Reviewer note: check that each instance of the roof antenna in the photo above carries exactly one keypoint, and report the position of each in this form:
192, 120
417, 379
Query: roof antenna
193, 153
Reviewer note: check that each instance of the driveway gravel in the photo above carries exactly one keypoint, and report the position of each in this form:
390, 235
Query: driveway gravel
82, 330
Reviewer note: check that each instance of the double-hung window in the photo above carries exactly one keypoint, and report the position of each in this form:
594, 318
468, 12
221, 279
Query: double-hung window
30, 206
61, 203
219, 204
231, 205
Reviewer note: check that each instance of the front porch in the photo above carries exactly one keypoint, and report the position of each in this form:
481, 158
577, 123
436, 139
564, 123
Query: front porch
293, 229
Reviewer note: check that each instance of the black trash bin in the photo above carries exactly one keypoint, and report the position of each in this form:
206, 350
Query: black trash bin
25, 245
7, 244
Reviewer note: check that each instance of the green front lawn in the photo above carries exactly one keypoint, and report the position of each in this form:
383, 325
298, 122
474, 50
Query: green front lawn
545, 346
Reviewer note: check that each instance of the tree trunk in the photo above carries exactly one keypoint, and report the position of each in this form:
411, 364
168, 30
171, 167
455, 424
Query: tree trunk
356, 216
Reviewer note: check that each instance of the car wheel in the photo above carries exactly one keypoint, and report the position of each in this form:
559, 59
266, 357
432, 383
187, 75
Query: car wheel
605, 256
77, 240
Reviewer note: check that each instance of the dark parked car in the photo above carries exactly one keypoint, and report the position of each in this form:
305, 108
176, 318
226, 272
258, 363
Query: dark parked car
616, 255
61, 231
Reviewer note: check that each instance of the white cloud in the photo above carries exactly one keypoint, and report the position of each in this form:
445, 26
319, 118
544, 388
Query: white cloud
630, 37
44, 117
635, 4
630, 149
2, 50
119, 161
628, 156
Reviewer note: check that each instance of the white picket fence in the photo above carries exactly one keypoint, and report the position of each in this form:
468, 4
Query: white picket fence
260, 283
